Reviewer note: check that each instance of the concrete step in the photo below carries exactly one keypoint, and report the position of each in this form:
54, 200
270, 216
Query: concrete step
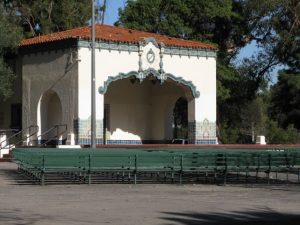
7, 156
5, 160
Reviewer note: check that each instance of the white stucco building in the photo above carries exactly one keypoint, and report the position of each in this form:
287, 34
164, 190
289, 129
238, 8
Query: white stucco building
139, 78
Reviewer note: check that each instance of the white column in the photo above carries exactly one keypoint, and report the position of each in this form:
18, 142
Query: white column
205, 121
99, 118
84, 117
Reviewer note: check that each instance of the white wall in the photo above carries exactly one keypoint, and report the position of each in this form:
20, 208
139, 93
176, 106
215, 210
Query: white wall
108, 63
200, 70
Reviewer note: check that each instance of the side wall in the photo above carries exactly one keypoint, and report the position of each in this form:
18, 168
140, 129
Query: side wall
51, 71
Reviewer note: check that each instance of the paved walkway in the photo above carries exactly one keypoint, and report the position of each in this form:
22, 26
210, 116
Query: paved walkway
23, 203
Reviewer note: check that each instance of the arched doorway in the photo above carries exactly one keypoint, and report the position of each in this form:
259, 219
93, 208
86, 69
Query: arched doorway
142, 112
49, 114
180, 119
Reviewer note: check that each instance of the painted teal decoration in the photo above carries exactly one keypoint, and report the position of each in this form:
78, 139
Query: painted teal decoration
168, 50
150, 56
103, 89
149, 72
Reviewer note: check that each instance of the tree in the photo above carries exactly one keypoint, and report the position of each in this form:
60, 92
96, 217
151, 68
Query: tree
46, 16
248, 120
10, 36
33, 18
216, 21
285, 100
275, 28
277, 32
278, 135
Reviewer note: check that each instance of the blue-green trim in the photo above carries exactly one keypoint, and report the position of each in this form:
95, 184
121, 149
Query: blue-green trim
110, 46
135, 48
180, 80
142, 75
103, 89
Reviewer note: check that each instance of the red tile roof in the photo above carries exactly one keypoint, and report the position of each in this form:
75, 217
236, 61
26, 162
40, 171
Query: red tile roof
115, 34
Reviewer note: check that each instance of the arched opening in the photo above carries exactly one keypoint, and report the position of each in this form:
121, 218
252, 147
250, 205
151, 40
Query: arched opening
49, 114
142, 112
180, 119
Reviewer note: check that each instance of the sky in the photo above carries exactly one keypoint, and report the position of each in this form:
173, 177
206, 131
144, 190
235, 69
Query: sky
112, 8
111, 17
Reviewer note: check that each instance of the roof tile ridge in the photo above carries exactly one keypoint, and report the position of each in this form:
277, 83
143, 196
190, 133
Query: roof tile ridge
161, 35
81, 32
54, 35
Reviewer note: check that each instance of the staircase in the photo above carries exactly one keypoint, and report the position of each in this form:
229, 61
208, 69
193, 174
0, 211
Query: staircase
6, 158
54, 137
14, 138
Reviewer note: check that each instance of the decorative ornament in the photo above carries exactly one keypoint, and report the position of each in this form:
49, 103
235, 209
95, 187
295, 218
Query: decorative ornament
150, 56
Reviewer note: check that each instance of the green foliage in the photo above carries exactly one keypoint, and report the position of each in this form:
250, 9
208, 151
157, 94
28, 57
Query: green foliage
228, 134
6, 79
285, 95
254, 117
285, 100
227, 75
46, 16
254, 120
10, 35
278, 135
275, 25
32, 18
246, 121
216, 21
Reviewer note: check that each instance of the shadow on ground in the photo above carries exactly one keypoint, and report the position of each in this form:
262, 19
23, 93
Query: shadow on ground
251, 217
16, 178
16, 217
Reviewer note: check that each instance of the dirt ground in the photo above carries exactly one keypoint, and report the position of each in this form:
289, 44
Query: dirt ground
23, 203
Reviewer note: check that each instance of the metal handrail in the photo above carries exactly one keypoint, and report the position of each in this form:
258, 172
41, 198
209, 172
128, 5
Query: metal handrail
51, 129
16, 134
6, 130
58, 134
30, 135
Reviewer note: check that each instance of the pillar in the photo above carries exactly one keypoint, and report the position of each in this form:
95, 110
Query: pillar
202, 126
82, 125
